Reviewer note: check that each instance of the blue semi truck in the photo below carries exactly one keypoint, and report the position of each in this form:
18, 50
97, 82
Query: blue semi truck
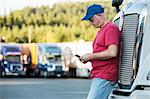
11, 60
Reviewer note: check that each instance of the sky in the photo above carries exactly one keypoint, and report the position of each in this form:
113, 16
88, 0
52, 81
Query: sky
10, 5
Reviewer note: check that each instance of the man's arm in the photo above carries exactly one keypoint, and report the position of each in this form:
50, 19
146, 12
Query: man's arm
111, 52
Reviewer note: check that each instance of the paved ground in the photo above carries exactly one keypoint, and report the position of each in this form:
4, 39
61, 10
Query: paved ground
23, 88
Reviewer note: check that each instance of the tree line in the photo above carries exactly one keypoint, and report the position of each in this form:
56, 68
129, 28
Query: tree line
60, 23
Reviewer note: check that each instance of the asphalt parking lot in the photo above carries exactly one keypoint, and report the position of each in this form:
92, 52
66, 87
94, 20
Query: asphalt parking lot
39, 88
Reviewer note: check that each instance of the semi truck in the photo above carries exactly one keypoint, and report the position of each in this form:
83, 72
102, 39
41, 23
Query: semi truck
134, 69
11, 60
51, 61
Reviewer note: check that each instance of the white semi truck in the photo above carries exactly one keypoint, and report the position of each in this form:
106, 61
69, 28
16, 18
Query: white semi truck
134, 70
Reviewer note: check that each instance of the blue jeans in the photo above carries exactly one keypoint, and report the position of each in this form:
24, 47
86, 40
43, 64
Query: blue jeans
100, 89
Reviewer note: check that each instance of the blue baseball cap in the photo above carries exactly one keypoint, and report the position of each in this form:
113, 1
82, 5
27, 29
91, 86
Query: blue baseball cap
92, 10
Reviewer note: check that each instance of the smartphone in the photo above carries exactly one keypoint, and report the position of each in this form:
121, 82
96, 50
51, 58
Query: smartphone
78, 56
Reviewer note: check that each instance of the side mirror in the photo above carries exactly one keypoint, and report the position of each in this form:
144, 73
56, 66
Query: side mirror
116, 4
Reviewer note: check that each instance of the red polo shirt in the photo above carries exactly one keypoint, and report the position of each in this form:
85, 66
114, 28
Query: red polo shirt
106, 69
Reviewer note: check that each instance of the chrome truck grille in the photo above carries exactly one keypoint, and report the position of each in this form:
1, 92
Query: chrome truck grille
16, 68
58, 68
128, 41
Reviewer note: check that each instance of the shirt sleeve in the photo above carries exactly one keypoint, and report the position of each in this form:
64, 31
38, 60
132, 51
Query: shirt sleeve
112, 36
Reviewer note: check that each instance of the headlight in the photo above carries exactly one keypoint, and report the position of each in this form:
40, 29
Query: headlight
50, 67
6, 70
5, 62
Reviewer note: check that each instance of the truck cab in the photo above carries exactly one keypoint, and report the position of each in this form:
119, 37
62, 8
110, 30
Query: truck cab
134, 69
50, 60
11, 61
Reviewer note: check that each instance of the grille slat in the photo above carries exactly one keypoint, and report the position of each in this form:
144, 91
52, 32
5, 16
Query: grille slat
58, 68
128, 42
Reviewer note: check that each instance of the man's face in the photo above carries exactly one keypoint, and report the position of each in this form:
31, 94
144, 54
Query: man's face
96, 20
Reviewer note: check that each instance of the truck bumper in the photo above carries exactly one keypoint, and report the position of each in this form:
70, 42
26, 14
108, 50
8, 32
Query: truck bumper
136, 94
57, 74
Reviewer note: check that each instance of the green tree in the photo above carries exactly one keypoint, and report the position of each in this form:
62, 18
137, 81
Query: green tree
61, 23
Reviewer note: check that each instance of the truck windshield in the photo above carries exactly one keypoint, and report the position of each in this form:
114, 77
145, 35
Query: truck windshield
12, 58
53, 50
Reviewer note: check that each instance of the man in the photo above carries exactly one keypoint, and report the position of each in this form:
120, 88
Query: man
105, 56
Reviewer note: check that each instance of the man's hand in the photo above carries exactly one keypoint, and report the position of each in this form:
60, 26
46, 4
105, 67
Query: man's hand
85, 58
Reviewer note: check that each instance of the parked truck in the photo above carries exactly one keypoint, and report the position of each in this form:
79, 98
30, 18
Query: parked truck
29, 59
50, 61
11, 60
134, 70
